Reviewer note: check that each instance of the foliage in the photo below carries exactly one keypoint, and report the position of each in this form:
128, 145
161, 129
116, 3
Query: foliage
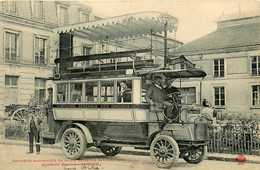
16, 130
237, 135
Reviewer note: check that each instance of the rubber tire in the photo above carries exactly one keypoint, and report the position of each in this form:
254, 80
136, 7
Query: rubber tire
83, 143
174, 145
115, 152
200, 159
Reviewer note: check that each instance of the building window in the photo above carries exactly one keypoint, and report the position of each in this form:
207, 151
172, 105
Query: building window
219, 94
11, 89
40, 90
86, 50
179, 66
40, 50
256, 95
11, 46
255, 62
37, 9
10, 7
83, 16
188, 95
183, 66
219, 68
63, 15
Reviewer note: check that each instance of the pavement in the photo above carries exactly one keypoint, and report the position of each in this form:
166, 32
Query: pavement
132, 151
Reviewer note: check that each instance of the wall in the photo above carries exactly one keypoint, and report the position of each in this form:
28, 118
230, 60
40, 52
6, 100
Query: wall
237, 80
28, 27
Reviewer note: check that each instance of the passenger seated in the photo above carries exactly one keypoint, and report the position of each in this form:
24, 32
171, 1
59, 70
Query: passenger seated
89, 95
60, 97
125, 93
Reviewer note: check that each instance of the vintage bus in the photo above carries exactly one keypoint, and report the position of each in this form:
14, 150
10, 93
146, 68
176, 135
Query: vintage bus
102, 105
89, 110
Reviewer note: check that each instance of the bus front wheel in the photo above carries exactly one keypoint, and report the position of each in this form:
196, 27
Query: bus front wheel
195, 155
164, 151
73, 143
110, 150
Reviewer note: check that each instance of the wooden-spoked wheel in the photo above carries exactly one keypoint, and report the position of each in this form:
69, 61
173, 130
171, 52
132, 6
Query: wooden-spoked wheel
195, 155
73, 143
20, 116
164, 151
110, 150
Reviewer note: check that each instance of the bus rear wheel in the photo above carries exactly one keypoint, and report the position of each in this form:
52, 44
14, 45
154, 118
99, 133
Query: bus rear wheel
73, 143
195, 155
110, 150
164, 151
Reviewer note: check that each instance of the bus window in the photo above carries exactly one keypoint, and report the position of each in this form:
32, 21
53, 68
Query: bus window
75, 92
107, 91
62, 93
124, 91
91, 91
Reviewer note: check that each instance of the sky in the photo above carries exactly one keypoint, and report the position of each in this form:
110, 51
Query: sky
196, 18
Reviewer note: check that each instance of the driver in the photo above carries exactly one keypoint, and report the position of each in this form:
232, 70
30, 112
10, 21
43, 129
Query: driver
172, 109
169, 88
155, 94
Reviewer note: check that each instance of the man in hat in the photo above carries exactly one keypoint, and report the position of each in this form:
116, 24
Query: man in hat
173, 108
49, 100
155, 94
33, 125
125, 92
48, 105
169, 88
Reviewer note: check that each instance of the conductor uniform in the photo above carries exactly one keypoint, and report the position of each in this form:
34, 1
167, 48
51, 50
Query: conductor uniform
33, 126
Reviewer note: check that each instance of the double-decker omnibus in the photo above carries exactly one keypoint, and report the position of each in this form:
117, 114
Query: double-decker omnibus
90, 110
105, 108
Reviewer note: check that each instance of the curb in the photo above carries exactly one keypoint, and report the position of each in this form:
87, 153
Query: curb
226, 159
229, 158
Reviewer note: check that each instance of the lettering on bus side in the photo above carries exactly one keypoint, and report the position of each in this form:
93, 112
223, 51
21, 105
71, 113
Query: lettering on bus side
114, 106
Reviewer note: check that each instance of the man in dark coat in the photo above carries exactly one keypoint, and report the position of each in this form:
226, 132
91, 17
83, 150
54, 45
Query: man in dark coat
48, 105
169, 87
33, 125
125, 93
155, 94
173, 93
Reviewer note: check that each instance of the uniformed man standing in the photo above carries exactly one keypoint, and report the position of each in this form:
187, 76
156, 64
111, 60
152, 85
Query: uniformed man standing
33, 125
48, 105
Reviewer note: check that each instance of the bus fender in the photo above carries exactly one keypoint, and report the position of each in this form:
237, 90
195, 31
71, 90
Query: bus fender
153, 135
80, 126
85, 131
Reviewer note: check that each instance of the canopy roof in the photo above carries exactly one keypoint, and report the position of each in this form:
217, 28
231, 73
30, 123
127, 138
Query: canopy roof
124, 26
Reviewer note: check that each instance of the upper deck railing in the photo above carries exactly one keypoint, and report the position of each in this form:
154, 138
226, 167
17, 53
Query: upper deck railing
100, 69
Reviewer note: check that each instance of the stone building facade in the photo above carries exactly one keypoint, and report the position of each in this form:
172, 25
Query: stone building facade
28, 46
231, 58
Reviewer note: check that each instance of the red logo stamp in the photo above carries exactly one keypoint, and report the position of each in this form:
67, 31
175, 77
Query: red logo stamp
241, 159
